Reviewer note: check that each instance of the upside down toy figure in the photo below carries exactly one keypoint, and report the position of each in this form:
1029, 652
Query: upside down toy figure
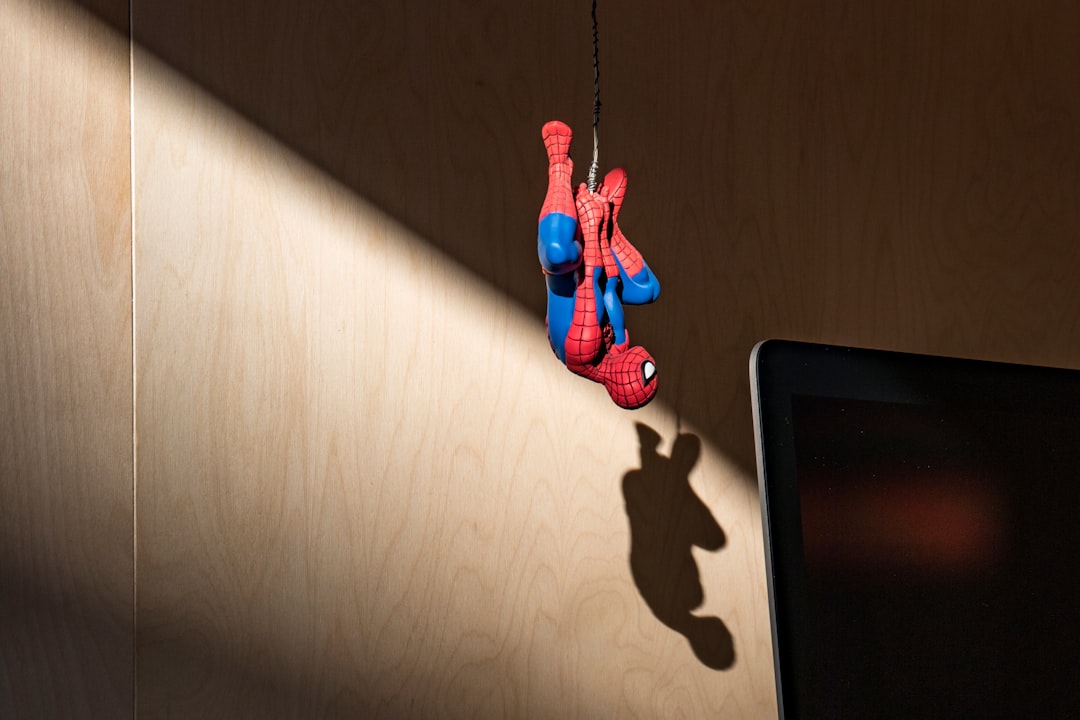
592, 270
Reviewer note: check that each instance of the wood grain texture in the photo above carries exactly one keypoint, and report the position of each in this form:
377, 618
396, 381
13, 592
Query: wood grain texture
66, 565
895, 176
366, 489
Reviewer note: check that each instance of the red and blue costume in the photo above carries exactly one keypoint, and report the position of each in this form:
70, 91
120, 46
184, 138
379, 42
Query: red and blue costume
592, 270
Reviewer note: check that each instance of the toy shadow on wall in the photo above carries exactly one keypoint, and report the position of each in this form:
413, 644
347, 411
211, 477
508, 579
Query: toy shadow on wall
667, 519
592, 271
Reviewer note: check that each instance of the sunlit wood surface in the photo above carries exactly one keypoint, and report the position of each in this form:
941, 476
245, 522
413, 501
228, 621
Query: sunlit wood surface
66, 632
365, 488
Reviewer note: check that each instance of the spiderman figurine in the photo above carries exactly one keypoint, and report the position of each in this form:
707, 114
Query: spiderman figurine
592, 270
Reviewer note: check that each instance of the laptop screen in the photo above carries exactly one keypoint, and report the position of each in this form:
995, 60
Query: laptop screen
921, 519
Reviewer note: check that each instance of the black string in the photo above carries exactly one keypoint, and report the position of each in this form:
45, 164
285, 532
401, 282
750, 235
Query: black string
595, 166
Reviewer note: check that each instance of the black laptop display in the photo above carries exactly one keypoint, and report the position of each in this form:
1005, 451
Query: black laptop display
922, 533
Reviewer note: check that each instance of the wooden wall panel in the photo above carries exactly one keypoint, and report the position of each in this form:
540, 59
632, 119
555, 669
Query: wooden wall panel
66, 564
901, 176
365, 486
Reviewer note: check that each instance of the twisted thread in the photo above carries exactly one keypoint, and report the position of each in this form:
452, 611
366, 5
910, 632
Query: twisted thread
594, 168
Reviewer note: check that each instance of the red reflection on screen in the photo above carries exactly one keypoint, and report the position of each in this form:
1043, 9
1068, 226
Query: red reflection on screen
933, 521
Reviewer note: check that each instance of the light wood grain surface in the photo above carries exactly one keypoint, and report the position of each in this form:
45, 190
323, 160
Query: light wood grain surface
401, 506
365, 488
66, 562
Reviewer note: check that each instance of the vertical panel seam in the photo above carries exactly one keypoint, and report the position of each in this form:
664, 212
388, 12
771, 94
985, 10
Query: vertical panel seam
134, 377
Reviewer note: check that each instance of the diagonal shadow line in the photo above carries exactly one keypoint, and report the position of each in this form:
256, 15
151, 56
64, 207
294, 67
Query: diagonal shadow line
436, 119
530, 300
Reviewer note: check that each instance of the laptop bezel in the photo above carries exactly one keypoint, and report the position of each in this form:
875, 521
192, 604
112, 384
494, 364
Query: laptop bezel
783, 369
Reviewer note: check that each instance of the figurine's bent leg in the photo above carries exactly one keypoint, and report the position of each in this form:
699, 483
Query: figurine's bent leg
585, 337
610, 288
639, 284
640, 288
557, 244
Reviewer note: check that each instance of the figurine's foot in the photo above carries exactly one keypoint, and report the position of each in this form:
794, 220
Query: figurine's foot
557, 136
614, 187
560, 194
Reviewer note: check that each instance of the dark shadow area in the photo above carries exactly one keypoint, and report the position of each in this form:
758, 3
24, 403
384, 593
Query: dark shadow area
667, 519
66, 652
928, 531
